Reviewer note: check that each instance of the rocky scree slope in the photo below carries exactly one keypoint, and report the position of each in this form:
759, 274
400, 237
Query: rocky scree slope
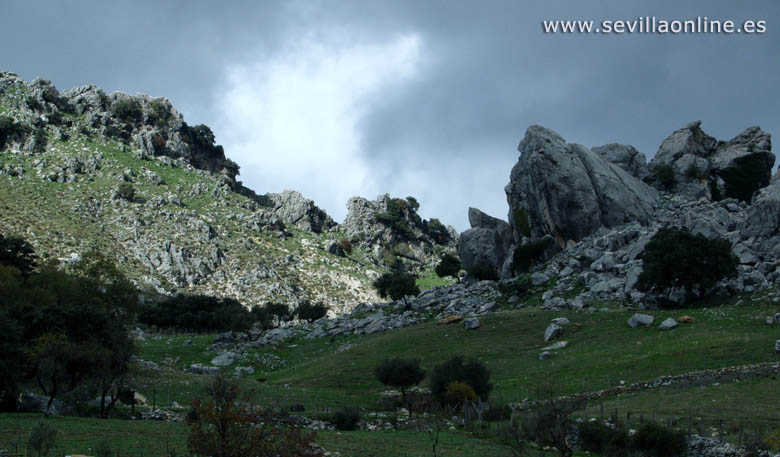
186, 224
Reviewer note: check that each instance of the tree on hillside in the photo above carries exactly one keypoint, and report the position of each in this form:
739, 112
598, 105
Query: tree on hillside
400, 373
460, 369
396, 285
18, 253
449, 265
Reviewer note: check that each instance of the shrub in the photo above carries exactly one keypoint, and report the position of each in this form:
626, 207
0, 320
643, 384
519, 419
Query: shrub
659, 441
126, 191
549, 422
226, 427
8, 129
41, 439
675, 257
603, 439
346, 246
199, 313
482, 272
459, 392
346, 419
460, 369
311, 312
748, 174
664, 173
522, 223
280, 311
449, 265
437, 231
18, 253
693, 172
396, 285
159, 113
525, 255
127, 110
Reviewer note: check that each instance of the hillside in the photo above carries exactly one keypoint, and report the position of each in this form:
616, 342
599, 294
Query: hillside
183, 223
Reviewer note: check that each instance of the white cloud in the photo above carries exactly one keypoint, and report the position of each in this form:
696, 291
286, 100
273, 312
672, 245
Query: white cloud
292, 120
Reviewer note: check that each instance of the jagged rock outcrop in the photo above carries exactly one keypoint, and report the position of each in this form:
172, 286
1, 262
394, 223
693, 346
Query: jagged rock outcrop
704, 167
626, 157
488, 242
568, 191
294, 209
390, 229
763, 218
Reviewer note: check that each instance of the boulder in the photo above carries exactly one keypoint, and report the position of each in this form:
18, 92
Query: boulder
555, 346
561, 321
552, 331
640, 320
244, 371
707, 168
763, 216
545, 355
667, 324
626, 157
568, 191
203, 369
294, 209
471, 323
224, 359
777, 347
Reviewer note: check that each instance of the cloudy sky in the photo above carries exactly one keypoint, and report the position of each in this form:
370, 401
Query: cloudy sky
426, 98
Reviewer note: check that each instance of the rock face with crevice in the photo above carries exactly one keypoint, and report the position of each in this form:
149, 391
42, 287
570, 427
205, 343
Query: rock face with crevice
488, 242
569, 191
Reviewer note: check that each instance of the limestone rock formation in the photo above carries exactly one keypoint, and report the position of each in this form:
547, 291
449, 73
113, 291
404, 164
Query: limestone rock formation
488, 242
294, 209
704, 167
568, 191
626, 157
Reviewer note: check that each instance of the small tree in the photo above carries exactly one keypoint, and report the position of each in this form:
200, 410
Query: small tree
664, 173
449, 265
460, 369
280, 311
400, 373
41, 440
18, 253
675, 257
549, 422
396, 285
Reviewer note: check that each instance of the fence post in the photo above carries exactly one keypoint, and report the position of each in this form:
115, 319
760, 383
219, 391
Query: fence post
628, 419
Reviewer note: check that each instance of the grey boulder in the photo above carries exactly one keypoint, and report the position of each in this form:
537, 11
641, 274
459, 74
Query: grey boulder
568, 191
471, 323
552, 331
668, 324
638, 320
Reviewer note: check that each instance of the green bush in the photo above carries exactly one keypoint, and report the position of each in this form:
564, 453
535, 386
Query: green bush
460, 369
307, 311
482, 272
675, 257
198, 313
437, 231
127, 110
449, 265
41, 439
396, 285
159, 113
526, 255
126, 191
748, 174
346, 419
659, 441
522, 222
664, 173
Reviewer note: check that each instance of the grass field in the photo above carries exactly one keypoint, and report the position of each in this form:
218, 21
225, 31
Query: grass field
330, 373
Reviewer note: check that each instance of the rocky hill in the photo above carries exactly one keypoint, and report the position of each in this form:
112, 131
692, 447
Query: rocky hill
82, 169
599, 208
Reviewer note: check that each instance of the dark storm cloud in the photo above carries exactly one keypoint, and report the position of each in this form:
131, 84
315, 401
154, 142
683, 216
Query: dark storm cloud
447, 132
